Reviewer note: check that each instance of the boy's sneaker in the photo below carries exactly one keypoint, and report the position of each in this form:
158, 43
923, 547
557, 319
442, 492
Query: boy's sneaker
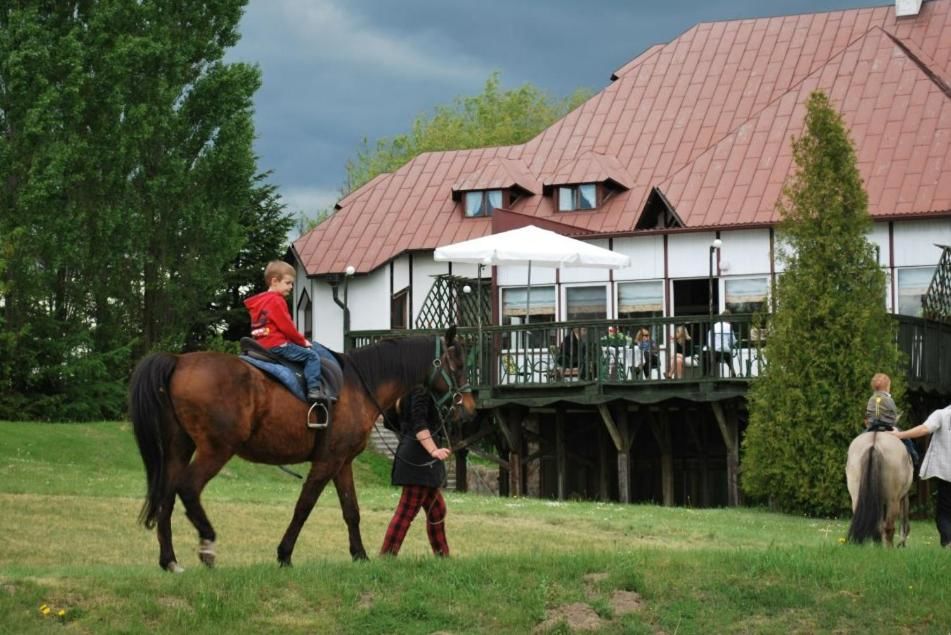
316, 394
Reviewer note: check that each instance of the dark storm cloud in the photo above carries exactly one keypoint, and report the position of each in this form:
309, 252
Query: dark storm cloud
336, 71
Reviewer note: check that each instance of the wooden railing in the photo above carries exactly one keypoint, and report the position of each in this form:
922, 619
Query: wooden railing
605, 352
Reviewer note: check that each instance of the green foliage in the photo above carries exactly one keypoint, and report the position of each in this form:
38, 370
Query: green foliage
829, 334
495, 117
127, 189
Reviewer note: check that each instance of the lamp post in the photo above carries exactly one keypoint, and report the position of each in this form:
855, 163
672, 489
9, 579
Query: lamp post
715, 246
349, 271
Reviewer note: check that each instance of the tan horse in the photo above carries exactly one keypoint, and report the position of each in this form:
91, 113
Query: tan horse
879, 474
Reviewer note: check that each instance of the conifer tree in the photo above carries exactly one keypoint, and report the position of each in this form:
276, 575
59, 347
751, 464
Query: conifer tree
830, 331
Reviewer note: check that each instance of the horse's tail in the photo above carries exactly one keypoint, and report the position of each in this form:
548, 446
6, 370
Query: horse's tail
867, 517
151, 409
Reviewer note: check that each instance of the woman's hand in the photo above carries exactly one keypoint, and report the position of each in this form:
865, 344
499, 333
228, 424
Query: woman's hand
441, 454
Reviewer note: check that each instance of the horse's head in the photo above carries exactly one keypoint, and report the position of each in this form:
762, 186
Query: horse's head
448, 380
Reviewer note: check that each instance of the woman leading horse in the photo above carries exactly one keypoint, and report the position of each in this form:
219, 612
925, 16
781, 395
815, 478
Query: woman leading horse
191, 413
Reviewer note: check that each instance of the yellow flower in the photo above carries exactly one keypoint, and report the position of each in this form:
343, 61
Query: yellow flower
45, 610
62, 613
841, 541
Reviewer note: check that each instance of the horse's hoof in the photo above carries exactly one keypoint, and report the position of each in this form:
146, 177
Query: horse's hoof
284, 564
357, 557
174, 567
206, 552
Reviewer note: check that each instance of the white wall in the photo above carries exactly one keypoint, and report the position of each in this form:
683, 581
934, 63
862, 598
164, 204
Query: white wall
688, 255
583, 274
646, 254
400, 273
915, 241
369, 301
743, 252
328, 317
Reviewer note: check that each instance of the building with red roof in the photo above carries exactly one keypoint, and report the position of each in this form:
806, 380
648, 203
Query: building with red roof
678, 163
689, 141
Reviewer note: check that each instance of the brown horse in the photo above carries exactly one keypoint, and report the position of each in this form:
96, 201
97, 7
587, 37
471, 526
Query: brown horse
191, 413
879, 475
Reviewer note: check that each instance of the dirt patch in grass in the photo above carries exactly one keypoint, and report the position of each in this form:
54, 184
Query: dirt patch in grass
626, 602
175, 603
577, 616
365, 601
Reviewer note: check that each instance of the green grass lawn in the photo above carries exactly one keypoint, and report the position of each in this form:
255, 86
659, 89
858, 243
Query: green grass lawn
70, 494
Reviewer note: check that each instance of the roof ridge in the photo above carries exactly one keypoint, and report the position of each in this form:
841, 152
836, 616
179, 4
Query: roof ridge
921, 60
793, 88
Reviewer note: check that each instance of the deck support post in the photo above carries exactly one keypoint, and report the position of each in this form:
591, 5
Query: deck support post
729, 428
660, 426
620, 432
561, 456
462, 476
510, 422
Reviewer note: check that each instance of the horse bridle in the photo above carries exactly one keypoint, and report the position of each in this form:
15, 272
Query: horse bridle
453, 397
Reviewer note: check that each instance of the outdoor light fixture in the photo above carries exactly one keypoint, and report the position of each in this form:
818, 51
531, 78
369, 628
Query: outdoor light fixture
715, 246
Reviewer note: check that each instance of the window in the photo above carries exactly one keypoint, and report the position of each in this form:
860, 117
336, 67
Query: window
642, 300
574, 197
586, 303
482, 202
746, 295
912, 288
516, 311
399, 310
305, 315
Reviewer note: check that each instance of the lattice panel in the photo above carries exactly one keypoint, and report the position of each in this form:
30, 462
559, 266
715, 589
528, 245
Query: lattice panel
937, 302
448, 304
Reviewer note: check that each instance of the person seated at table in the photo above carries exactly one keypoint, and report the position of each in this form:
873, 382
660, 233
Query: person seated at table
650, 359
572, 352
683, 353
614, 338
720, 344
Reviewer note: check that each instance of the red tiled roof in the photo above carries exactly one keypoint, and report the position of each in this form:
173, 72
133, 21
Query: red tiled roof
591, 167
706, 118
499, 173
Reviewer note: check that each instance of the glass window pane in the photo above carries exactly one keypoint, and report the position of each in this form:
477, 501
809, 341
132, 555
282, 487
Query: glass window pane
912, 287
474, 204
586, 303
640, 297
495, 200
587, 196
746, 295
515, 299
566, 199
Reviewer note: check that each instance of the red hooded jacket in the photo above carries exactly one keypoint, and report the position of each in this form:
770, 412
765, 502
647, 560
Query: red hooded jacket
271, 323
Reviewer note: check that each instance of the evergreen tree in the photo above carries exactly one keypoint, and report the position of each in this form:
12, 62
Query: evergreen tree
126, 171
829, 334
495, 117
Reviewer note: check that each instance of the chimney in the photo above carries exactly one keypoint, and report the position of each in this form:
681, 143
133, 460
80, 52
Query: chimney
905, 8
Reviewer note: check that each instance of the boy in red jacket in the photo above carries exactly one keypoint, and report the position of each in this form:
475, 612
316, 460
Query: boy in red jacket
272, 327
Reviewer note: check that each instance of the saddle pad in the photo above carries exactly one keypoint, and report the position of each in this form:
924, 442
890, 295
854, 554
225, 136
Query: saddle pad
280, 373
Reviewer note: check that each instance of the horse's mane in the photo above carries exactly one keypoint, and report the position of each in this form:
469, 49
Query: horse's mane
400, 359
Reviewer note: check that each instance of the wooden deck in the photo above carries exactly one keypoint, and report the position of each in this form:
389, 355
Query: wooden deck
598, 426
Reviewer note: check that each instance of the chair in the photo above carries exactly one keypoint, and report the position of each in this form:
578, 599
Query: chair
557, 372
511, 369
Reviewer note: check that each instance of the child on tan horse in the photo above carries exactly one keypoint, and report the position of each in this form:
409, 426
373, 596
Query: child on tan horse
881, 413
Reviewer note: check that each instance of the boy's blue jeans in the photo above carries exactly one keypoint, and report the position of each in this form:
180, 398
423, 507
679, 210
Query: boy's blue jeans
309, 356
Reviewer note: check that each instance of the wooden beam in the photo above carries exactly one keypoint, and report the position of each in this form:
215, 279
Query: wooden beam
660, 426
729, 429
561, 458
620, 440
478, 436
490, 457
462, 476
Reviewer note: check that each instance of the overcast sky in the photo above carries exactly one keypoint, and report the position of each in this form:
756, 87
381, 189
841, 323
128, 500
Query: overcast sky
336, 71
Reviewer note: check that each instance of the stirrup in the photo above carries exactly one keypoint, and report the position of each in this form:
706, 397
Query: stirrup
318, 415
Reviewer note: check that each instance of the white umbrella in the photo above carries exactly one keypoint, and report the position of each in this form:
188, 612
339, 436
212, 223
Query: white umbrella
531, 245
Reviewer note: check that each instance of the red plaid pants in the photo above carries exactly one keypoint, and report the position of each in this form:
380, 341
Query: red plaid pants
414, 498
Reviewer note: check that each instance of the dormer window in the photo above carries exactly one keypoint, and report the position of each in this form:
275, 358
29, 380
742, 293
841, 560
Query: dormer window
482, 202
577, 197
